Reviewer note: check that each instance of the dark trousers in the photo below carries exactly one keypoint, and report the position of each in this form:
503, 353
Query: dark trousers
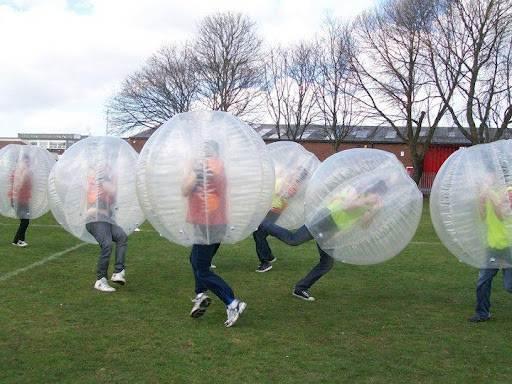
260, 239
106, 233
201, 258
298, 237
22, 230
484, 284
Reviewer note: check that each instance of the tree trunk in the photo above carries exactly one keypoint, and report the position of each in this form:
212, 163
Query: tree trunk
417, 163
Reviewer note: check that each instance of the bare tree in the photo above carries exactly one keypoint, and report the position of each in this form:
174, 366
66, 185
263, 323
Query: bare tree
228, 61
392, 74
165, 86
274, 85
335, 94
477, 39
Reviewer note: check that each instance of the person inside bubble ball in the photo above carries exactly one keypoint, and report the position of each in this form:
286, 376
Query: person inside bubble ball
495, 210
286, 187
204, 186
344, 211
101, 199
20, 195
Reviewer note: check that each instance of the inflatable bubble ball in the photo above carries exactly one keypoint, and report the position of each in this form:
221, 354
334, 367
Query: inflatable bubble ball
94, 180
293, 168
24, 171
471, 204
362, 207
205, 178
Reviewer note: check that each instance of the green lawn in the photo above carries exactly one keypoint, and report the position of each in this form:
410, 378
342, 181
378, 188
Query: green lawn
403, 321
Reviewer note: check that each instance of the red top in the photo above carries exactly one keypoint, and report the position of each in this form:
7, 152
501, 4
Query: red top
207, 201
21, 190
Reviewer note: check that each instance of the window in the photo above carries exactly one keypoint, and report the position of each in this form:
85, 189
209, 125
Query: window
362, 134
390, 135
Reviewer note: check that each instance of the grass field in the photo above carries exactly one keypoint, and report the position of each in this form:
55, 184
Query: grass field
403, 321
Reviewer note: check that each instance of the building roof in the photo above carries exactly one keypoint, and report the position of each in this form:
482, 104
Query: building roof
359, 134
50, 136
373, 134
144, 134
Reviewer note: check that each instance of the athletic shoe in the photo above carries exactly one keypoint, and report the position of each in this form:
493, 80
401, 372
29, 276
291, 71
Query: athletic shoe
20, 243
234, 313
273, 259
212, 266
119, 277
264, 267
303, 294
476, 318
201, 302
102, 285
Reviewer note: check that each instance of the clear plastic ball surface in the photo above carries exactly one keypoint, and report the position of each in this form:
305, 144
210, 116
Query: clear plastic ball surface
362, 207
293, 167
94, 180
471, 204
204, 178
24, 171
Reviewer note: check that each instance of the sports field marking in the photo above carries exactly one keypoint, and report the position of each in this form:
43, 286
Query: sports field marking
152, 230
32, 225
8, 275
58, 226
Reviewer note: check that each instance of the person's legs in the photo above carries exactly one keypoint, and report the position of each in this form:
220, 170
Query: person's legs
298, 237
260, 238
195, 254
200, 258
22, 230
324, 265
102, 232
262, 248
483, 293
507, 279
121, 240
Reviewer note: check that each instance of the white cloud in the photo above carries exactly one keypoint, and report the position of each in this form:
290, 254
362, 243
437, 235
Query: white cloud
63, 58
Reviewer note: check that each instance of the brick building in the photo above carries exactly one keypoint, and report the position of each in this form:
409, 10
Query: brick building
446, 140
4, 141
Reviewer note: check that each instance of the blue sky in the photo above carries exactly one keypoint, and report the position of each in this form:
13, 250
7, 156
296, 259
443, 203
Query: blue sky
62, 59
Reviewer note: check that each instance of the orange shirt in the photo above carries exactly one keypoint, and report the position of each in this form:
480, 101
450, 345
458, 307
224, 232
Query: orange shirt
21, 190
207, 201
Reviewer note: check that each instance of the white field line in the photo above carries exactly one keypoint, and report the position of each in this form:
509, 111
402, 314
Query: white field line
8, 275
58, 226
152, 230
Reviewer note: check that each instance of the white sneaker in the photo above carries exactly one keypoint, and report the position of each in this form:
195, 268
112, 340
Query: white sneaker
119, 277
234, 313
102, 285
201, 302
20, 243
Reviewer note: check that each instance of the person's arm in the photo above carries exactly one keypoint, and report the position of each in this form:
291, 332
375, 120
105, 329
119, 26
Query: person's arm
374, 203
497, 204
189, 181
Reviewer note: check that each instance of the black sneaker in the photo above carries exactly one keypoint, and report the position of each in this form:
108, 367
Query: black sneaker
273, 259
264, 267
476, 318
303, 294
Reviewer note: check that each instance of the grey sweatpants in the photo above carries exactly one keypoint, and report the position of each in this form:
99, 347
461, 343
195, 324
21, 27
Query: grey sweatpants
106, 233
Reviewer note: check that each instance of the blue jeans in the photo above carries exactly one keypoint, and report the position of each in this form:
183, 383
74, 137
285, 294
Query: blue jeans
298, 237
201, 259
106, 233
260, 239
484, 284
